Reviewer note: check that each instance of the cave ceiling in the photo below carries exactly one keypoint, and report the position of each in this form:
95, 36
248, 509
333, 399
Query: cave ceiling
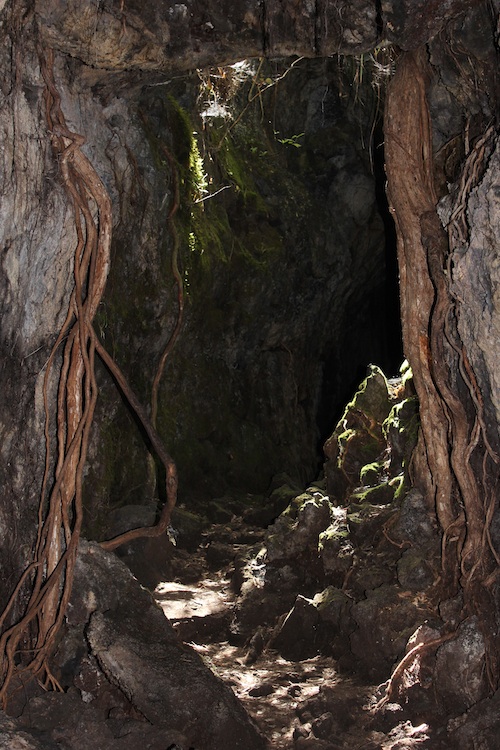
119, 35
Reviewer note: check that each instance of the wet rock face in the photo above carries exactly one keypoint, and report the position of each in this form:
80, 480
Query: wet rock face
181, 36
252, 373
408, 22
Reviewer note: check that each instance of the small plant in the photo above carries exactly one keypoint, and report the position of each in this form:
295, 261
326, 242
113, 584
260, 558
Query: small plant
292, 141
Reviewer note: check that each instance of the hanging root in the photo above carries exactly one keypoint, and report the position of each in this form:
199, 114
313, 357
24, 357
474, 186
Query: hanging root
28, 643
157, 445
50, 574
178, 280
462, 466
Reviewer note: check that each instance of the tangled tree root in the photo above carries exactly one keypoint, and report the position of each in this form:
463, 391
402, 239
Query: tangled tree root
459, 470
27, 645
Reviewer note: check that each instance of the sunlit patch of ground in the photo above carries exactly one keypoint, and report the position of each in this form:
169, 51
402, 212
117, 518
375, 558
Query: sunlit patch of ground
297, 705
180, 601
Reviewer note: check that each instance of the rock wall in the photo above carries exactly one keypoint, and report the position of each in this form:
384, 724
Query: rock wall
319, 285
280, 311
467, 166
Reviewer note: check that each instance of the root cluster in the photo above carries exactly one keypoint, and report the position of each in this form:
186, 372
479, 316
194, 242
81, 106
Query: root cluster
26, 645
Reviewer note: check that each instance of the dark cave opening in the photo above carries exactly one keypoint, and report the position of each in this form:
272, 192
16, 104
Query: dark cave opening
371, 329
332, 104
288, 253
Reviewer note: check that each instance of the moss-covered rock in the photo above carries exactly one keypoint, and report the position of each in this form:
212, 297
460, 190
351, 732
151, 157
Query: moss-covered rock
370, 474
401, 432
332, 604
358, 441
365, 522
297, 530
369, 451
380, 494
335, 548
372, 398
267, 512
415, 570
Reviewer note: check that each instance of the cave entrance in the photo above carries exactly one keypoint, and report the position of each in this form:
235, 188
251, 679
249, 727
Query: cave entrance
288, 255
277, 263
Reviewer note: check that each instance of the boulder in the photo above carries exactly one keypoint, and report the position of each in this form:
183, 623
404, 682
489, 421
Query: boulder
312, 626
13, 737
385, 620
297, 530
358, 439
62, 720
138, 651
335, 547
415, 570
414, 522
296, 638
480, 724
459, 675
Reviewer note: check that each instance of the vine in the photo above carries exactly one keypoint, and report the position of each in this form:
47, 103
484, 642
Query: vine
50, 574
26, 646
178, 281
457, 468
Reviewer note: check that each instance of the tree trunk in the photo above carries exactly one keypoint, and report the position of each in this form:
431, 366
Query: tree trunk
457, 468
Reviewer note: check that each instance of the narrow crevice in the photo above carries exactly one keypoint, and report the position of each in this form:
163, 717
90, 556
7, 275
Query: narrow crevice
379, 19
265, 34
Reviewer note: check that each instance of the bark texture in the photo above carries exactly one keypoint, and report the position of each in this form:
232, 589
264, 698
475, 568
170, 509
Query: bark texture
459, 457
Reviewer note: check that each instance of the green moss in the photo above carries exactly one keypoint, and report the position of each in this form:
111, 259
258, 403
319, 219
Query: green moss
344, 437
235, 166
399, 484
370, 473
381, 494
404, 422
298, 502
330, 596
372, 397
406, 372
333, 534
362, 512
208, 234
198, 177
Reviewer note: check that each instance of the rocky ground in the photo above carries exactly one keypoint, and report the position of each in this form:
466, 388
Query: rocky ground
310, 618
306, 703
